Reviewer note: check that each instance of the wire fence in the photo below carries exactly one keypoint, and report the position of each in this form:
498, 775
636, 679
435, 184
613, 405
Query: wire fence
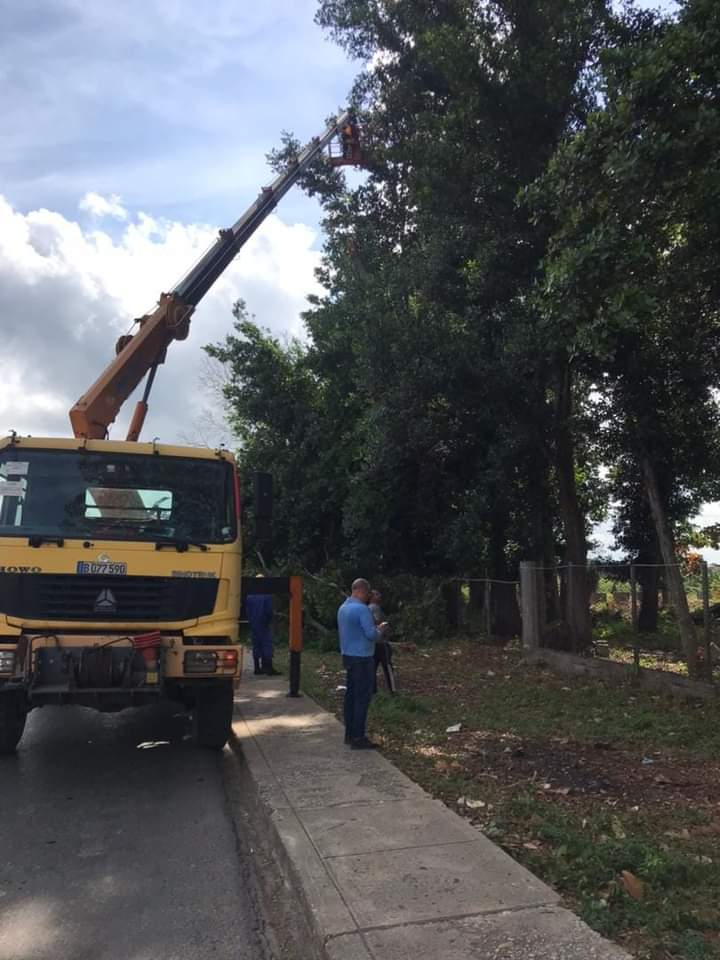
633, 618
628, 612
496, 604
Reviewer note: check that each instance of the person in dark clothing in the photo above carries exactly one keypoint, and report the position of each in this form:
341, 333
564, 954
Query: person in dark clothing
383, 647
259, 609
358, 634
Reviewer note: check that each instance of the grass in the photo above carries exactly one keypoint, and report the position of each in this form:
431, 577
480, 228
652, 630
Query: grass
579, 781
661, 650
617, 630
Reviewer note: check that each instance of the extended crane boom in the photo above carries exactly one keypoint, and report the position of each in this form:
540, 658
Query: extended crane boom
141, 354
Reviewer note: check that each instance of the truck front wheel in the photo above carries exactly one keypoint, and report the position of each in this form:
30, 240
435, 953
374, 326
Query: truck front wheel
212, 716
13, 713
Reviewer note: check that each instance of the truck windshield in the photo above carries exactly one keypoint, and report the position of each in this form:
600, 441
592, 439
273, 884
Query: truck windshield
108, 496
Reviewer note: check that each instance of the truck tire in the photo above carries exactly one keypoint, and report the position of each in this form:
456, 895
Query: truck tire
13, 713
212, 717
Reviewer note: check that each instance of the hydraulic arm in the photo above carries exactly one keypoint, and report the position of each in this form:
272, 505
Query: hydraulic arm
140, 355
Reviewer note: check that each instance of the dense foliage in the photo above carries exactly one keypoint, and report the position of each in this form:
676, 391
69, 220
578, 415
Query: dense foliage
521, 297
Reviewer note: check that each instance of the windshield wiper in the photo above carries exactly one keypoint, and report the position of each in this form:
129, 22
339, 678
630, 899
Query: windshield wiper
180, 545
37, 540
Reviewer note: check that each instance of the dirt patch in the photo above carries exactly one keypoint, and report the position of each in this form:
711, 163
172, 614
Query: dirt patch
574, 770
562, 767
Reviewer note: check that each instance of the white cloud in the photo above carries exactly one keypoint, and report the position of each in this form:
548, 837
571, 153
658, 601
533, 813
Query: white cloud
67, 292
100, 206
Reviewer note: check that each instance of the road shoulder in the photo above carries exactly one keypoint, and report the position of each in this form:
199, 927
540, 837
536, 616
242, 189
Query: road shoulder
376, 869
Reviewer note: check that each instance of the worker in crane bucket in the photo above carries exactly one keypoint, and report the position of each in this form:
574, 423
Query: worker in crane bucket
259, 610
349, 136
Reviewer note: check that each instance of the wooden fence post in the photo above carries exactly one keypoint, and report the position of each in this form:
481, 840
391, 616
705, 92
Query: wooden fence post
530, 599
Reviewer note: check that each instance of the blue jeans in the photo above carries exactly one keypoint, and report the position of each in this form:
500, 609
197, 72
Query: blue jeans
358, 694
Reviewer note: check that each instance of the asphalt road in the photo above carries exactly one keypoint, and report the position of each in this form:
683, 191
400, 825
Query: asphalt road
111, 852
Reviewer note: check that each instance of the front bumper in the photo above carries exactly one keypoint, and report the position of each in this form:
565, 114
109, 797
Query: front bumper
109, 661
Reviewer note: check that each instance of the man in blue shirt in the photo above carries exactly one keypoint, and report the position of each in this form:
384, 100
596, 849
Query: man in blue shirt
358, 635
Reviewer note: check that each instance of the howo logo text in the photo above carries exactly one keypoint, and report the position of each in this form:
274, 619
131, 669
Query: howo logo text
20, 569
105, 602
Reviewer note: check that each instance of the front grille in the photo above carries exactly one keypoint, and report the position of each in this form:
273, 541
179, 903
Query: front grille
55, 596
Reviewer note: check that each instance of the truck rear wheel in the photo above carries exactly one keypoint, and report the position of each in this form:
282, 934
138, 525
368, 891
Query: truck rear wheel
13, 713
212, 717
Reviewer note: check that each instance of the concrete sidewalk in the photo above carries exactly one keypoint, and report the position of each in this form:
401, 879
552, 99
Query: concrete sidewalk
385, 871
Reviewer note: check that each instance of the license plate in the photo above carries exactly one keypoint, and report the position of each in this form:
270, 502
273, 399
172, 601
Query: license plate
85, 567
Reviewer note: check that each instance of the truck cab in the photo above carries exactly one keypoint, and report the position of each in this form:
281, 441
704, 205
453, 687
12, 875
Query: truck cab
120, 579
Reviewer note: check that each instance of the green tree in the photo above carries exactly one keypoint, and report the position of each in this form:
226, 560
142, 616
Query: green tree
631, 282
457, 425
464, 105
296, 426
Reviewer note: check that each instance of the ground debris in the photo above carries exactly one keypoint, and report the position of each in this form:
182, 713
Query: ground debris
632, 885
573, 769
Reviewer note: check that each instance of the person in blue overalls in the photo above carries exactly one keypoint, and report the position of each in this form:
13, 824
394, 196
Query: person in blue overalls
259, 610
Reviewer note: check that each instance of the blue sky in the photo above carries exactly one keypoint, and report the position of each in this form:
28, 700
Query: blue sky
168, 103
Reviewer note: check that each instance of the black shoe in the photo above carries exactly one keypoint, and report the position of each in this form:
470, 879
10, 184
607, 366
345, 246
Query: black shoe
270, 670
258, 666
363, 744
347, 741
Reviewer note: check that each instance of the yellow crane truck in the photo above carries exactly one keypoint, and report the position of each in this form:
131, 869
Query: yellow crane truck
120, 561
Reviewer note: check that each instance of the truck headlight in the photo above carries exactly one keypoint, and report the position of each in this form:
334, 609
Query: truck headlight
210, 661
7, 662
200, 661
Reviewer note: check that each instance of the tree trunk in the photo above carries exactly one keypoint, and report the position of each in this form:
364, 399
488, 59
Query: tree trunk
544, 537
648, 614
577, 606
552, 596
675, 583
477, 596
505, 618
664, 596
561, 580
452, 597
